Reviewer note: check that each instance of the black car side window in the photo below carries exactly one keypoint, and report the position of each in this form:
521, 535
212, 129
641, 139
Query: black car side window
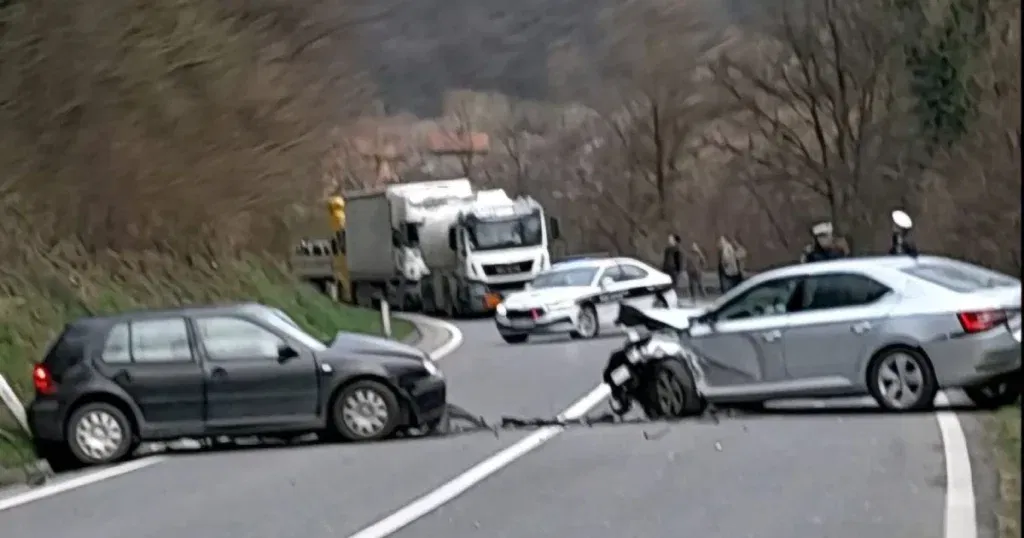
237, 339
117, 349
840, 290
160, 340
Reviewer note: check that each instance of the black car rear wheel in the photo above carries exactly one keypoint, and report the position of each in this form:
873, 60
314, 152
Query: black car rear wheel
99, 433
365, 410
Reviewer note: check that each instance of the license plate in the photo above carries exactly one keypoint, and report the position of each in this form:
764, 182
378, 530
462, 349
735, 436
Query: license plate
620, 375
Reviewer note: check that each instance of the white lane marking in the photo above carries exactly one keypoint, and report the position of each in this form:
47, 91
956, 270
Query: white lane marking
454, 339
460, 484
60, 486
960, 520
77, 482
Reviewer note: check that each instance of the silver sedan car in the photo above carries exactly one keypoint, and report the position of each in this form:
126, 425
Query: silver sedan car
897, 328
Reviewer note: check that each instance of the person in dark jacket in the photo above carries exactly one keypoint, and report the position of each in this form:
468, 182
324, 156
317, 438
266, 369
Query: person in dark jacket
823, 247
672, 260
901, 241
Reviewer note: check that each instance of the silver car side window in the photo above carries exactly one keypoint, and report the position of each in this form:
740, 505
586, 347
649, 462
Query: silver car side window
767, 299
840, 290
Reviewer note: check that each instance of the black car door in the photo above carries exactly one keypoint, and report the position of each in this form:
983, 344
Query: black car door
248, 381
155, 364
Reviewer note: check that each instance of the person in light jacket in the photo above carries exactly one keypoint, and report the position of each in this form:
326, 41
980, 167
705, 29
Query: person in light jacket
730, 272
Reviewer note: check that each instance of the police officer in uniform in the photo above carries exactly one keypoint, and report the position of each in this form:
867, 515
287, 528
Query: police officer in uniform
824, 246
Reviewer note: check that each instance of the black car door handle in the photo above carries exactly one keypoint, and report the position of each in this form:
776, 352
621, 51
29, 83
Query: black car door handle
122, 377
218, 373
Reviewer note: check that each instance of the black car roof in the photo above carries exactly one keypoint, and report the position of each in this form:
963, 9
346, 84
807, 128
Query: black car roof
151, 313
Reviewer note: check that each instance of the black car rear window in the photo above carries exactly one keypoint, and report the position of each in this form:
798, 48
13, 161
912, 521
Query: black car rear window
67, 349
963, 278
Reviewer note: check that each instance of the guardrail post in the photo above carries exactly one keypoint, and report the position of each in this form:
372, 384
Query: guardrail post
11, 401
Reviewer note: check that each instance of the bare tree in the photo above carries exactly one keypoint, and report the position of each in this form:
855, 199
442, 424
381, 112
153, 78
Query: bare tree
662, 91
823, 106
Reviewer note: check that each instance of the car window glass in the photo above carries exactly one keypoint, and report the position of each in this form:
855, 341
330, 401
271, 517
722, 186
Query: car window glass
163, 340
770, 298
117, 348
237, 339
962, 278
613, 273
632, 272
840, 290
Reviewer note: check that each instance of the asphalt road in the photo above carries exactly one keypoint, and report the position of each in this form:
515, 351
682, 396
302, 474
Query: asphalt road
835, 475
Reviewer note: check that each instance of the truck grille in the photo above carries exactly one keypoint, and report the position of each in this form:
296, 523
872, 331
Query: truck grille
508, 268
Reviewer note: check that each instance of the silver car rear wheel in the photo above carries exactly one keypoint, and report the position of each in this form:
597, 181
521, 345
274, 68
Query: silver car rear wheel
902, 380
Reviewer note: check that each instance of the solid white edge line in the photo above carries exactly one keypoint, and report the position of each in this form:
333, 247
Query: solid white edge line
960, 519
77, 482
455, 335
474, 475
41, 492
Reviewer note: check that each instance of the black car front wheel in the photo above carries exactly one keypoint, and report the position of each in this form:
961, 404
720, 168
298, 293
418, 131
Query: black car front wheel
366, 410
99, 433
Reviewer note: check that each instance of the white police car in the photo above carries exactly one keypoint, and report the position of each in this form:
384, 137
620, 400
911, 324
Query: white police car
580, 297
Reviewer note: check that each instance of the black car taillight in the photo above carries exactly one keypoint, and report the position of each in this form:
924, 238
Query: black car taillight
980, 321
42, 380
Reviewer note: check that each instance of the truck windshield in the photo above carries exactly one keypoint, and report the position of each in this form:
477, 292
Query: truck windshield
565, 277
525, 231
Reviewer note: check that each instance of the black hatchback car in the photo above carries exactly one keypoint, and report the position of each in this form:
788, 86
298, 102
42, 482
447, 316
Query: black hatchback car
110, 383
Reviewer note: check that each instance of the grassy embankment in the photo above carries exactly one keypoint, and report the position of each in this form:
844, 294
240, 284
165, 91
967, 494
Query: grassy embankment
44, 292
1004, 427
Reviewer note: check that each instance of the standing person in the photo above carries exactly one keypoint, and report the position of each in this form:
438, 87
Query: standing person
901, 241
823, 246
695, 264
672, 260
729, 268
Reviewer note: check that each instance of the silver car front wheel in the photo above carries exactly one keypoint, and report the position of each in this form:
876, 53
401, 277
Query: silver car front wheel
902, 380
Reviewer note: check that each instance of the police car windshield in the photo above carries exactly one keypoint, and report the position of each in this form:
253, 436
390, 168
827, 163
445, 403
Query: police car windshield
522, 231
582, 276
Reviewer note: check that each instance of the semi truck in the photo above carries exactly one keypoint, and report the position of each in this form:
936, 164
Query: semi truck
442, 247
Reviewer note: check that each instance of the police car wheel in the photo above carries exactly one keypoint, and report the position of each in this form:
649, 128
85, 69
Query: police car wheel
586, 323
515, 338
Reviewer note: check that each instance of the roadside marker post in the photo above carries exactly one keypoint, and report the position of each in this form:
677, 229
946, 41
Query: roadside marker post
11, 401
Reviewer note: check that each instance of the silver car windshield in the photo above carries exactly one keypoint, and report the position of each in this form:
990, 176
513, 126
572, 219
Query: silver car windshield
287, 325
582, 276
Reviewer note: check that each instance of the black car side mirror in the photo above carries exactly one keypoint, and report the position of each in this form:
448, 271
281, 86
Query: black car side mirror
286, 353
